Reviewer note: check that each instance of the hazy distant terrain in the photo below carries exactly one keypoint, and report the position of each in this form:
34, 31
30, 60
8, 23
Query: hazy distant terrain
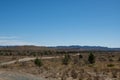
74, 47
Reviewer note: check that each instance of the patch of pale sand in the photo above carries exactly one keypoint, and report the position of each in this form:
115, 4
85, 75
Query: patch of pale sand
3, 79
7, 75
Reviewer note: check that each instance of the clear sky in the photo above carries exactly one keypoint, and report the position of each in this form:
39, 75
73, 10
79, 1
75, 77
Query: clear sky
60, 22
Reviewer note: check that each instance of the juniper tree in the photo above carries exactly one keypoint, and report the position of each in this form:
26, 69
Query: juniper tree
66, 59
91, 58
38, 62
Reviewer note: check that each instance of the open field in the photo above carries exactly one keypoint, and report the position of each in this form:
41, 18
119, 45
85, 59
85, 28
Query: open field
106, 66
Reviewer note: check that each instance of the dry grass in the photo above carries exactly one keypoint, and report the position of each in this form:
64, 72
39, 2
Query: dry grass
76, 69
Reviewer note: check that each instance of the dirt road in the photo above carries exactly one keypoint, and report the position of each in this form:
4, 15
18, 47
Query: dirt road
25, 59
28, 59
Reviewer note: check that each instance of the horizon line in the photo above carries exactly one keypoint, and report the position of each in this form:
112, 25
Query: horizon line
60, 46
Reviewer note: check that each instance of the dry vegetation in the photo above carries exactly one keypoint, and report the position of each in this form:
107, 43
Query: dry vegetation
106, 66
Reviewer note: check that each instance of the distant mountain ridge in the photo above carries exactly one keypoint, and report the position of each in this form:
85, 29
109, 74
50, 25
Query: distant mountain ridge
72, 47
87, 47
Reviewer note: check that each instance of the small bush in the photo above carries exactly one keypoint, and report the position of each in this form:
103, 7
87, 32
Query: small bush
75, 60
119, 59
74, 74
113, 55
38, 62
110, 59
66, 59
110, 65
80, 56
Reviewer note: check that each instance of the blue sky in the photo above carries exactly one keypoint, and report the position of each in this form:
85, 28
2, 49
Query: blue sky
60, 22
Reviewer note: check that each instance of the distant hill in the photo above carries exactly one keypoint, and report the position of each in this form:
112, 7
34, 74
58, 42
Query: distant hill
83, 48
73, 47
